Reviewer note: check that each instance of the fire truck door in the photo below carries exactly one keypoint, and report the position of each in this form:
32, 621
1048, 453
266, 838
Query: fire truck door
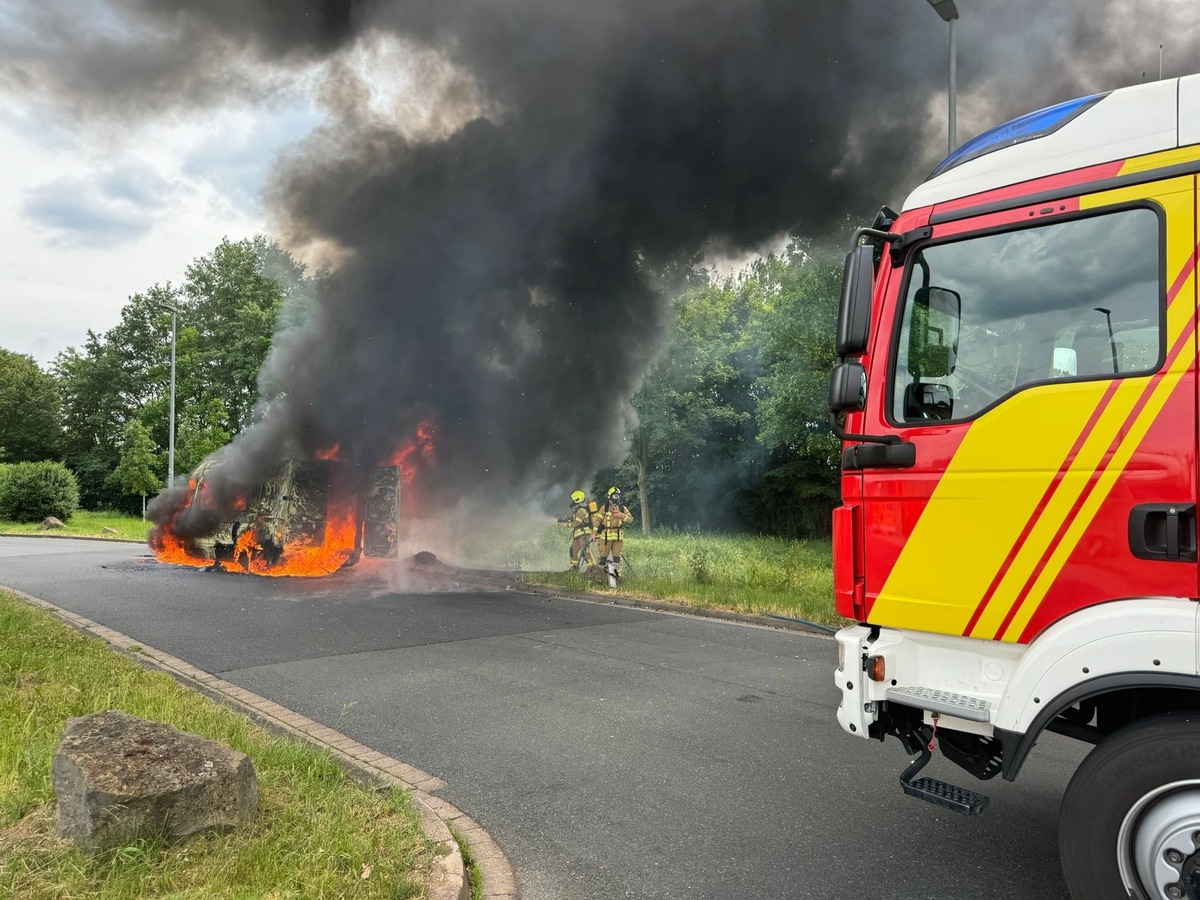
1042, 362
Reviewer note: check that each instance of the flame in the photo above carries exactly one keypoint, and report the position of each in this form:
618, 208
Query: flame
301, 557
170, 549
420, 446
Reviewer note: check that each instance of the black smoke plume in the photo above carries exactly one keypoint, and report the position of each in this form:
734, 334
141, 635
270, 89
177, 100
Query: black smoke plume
499, 261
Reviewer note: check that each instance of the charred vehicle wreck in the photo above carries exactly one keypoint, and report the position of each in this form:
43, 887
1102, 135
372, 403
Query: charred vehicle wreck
305, 517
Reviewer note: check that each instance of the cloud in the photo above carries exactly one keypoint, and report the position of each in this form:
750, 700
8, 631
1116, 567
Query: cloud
103, 209
236, 158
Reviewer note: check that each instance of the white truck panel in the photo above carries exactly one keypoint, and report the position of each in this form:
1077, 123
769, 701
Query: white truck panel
1149, 634
1189, 110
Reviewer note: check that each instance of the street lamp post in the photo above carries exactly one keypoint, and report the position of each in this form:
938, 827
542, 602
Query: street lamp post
174, 310
949, 14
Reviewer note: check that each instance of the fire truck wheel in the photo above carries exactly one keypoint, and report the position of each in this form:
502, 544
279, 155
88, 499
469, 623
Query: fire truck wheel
1130, 819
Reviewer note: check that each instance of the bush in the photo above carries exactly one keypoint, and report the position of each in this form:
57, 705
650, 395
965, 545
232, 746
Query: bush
31, 491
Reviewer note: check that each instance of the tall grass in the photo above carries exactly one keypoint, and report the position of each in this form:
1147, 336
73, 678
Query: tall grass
743, 573
315, 834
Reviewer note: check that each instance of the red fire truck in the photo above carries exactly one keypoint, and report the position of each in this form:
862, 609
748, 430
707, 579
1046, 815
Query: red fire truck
1016, 390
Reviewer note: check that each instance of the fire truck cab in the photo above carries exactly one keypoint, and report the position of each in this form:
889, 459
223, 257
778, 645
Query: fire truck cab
1017, 396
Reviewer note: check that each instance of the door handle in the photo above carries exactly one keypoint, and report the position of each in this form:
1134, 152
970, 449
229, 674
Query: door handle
1163, 531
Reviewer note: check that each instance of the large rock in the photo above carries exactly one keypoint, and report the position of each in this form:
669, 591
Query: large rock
49, 523
118, 778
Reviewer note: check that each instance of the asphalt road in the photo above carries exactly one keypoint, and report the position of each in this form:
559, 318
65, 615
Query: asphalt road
611, 752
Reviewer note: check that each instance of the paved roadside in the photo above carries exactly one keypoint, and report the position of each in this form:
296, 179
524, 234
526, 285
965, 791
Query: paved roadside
612, 749
448, 881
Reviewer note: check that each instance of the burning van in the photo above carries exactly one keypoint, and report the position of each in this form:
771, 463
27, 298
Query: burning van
306, 517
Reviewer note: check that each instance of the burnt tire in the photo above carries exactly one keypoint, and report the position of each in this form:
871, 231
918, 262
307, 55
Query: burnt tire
1129, 825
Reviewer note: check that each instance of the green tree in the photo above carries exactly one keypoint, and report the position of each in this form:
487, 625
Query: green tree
693, 449
200, 433
233, 304
228, 308
135, 470
799, 292
30, 410
732, 426
106, 384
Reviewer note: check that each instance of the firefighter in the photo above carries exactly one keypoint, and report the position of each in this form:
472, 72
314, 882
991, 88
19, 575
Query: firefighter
579, 520
610, 524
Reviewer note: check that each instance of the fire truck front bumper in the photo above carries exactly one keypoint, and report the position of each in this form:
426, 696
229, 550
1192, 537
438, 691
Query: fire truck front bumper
857, 711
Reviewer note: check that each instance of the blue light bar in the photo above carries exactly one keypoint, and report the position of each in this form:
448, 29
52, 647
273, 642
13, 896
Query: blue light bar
1024, 128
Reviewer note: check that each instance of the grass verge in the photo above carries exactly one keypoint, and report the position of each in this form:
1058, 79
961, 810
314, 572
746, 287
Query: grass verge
318, 833
87, 524
742, 573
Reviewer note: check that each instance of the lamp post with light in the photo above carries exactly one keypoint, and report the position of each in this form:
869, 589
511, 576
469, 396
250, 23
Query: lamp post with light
949, 14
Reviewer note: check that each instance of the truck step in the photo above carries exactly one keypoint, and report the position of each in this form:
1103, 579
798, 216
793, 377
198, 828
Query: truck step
939, 793
949, 796
947, 703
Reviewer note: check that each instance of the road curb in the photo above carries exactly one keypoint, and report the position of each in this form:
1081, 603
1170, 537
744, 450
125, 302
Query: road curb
448, 880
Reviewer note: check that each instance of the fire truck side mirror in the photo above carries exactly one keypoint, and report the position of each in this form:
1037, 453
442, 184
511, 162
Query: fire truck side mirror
854, 312
933, 339
848, 388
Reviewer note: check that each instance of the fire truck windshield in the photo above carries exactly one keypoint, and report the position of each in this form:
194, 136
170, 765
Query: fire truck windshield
1075, 298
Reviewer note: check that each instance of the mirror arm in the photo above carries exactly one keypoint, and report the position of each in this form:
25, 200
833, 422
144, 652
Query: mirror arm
901, 243
840, 433
861, 233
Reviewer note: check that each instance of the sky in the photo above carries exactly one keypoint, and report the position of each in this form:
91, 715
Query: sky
92, 218
94, 209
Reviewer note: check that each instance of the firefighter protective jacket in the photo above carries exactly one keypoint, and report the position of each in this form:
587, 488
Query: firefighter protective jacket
581, 519
610, 521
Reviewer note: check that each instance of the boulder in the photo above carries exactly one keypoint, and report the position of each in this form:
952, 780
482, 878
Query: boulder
49, 523
107, 530
117, 778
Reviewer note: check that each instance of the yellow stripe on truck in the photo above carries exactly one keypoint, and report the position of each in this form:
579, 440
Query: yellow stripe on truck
1177, 199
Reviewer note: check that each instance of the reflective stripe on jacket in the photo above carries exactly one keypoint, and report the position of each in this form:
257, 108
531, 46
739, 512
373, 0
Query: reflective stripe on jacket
609, 523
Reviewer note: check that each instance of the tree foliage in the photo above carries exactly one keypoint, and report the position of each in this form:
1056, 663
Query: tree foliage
232, 303
30, 414
135, 470
732, 432
694, 444
227, 309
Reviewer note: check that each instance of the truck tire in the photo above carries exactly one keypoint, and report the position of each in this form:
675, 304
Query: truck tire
1130, 819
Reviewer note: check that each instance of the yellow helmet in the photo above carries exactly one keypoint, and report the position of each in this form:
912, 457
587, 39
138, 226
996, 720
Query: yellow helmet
576, 496
614, 492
